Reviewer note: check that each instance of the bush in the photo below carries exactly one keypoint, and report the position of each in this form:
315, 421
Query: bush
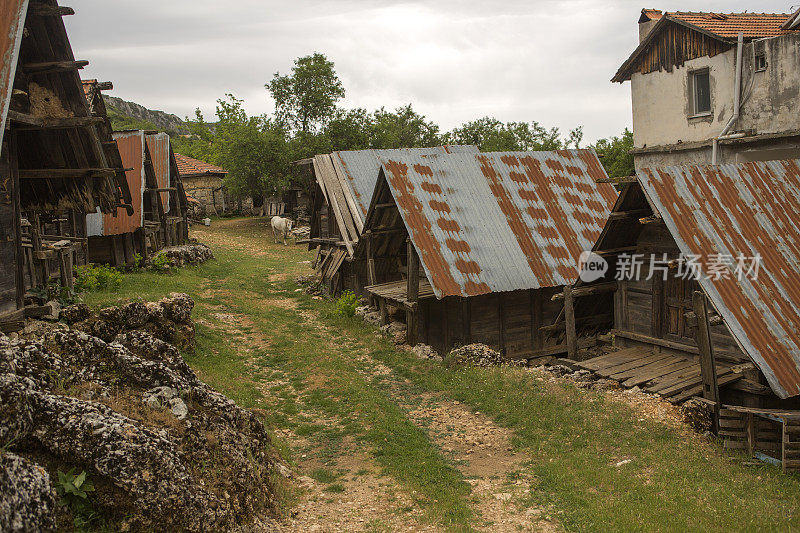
161, 263
98, 278
346, 304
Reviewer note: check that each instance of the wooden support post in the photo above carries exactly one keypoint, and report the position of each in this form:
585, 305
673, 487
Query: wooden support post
384, 311
413, 292
19, 258
569, 317
708, 371
466, 316
371, 277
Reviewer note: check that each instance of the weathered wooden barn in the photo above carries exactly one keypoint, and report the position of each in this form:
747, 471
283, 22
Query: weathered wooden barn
344, 183
709, 303
158, 217
473, 246
55, 165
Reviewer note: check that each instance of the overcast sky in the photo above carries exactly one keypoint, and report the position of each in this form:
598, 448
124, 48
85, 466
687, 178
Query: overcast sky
522, 60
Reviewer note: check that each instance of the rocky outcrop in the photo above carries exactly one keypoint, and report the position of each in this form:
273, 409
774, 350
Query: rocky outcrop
476, 355
168, 320
171, 452
186, 254
164, 121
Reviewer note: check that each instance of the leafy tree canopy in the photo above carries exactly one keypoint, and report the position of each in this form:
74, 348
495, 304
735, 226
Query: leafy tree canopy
492, 135
615, 154
305, 100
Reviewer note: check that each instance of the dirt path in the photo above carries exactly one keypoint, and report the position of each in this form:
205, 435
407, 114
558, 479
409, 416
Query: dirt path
344, 488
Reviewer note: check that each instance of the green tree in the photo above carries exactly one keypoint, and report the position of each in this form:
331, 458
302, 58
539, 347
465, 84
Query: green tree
349, 129
251, 149
403, 128
615, 154
305, 100
491, 135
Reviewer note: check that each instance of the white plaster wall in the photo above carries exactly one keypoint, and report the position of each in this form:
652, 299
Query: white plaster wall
774, 102
772, 105
661, 105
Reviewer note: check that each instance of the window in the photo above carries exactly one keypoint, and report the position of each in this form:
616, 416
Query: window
761, 62
700, 92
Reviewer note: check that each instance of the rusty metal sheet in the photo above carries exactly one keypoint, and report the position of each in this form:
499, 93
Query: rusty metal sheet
749, 209
131, 148
505, 221
360, 168
12, 22
158, 144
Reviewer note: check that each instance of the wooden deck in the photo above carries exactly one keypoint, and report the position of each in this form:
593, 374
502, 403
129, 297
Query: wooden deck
396, 292
672, 376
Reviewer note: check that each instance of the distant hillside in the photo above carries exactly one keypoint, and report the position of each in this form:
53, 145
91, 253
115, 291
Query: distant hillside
126, 115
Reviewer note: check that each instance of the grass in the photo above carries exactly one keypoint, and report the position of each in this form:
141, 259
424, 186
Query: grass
326, 394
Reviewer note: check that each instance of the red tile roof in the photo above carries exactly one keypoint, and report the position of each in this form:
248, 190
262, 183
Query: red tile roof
728, 25
188, 166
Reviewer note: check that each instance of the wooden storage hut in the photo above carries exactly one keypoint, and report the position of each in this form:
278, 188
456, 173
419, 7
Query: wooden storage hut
473, 246
731, 332
55, 166
344, 183
704, 227
158, 217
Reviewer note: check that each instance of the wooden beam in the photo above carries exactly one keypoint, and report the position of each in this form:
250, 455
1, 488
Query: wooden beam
621, 180
612, 251
708, 370
29, 122
413, 292
569, 316
385, 206
65, 173
49, 67
635, 213
19, 258
587, 290
46, 10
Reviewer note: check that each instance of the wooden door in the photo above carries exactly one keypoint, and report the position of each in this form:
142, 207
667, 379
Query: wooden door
677, 302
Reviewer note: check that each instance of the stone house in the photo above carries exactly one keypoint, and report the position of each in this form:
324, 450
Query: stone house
203, 183
701, 95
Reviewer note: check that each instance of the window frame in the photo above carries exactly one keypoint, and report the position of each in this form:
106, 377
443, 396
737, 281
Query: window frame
760, 57
693, 95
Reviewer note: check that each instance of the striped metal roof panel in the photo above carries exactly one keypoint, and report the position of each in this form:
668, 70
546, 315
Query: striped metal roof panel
749, 209
504, 221
360, 167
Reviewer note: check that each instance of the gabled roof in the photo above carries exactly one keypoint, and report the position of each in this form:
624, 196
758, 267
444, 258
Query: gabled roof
360, 167
494, 222
188, 166
748, 209
723, 27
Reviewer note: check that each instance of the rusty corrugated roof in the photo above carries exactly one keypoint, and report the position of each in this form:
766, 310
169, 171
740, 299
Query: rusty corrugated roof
12, 22
504, 221
752, 209
360, 167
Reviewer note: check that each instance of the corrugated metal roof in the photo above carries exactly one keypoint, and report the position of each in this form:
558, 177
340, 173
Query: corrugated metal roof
493, 222
360, 167
751, 209
12, 22
158, 144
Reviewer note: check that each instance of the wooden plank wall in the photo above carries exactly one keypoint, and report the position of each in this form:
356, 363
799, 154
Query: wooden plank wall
641, 306
508, 321
675, 45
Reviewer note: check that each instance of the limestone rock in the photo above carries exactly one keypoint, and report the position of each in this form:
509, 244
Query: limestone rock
27, 499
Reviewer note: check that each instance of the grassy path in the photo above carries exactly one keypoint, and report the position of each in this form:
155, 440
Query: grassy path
390, 442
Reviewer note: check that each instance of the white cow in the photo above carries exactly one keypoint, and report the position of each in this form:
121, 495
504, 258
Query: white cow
281, 227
